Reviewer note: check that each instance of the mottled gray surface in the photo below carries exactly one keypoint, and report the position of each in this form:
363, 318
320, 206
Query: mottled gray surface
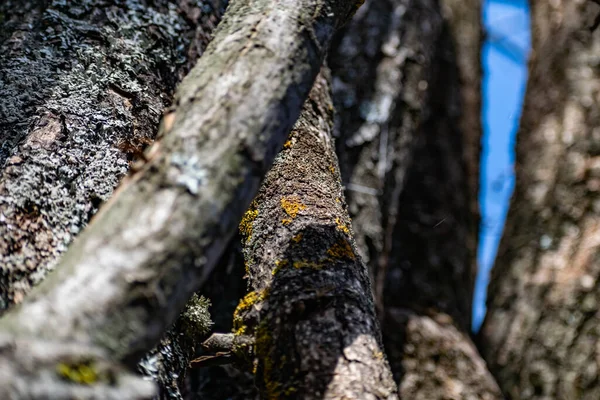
82, 87
123, 283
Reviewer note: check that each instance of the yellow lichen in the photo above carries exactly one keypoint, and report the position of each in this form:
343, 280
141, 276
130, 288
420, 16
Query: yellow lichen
307, 264
332, 168
264, 343
245, 303
297, 238
378, 355
287, 144
341, 226
247, 221
286, 221
341, 249
241, 330
292, 206
278, 265
83, 373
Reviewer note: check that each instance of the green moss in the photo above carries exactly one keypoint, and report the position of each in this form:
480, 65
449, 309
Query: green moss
195, 318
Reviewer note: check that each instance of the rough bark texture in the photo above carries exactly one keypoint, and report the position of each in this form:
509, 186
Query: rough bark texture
168, 362
381, 68
126, 278
464, 24
428, 292
311, 310
409, 159
82, 87
541, 333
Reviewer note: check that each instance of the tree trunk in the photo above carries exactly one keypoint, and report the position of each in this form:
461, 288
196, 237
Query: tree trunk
83, 85
409, 145
311, 314
541, 332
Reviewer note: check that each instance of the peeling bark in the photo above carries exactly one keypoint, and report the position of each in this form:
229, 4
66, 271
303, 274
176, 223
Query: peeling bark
311, 312
125, 279
541, 334
83, 85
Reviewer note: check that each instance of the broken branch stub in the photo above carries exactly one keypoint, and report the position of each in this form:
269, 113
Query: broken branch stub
125, 279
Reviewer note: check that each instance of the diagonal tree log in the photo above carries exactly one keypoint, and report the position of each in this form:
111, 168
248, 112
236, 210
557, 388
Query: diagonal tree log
409, 139
540, 336
310, 314
83, 85
125, 279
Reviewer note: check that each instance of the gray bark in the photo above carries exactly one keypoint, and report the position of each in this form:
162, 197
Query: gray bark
80, 101
409, 159
82, 87
123, 282
33, 369
310, 312
382, 57
541, 334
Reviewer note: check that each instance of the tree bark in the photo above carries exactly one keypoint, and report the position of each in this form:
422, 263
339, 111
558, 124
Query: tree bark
381, 58
108, 70
409, 159
83, 87
146, 253
310, 314
541, 332
123, 282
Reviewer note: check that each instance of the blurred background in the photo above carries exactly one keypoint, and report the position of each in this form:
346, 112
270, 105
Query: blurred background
504, 58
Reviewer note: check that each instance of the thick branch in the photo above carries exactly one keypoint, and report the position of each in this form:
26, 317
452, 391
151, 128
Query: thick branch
311, 309
125, 279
